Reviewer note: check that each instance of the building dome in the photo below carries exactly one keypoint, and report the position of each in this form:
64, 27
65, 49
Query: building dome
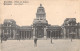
40, 12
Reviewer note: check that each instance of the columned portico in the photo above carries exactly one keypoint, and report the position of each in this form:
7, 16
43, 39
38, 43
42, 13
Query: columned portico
54, 32
25, 34
40, 32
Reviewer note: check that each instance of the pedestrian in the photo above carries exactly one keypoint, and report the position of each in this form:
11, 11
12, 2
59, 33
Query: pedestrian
35, 42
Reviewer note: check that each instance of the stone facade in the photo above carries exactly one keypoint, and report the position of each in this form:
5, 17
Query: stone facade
71, 28
40, 28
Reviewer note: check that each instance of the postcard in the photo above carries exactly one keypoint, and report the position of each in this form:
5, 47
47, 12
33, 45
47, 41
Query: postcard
40, 25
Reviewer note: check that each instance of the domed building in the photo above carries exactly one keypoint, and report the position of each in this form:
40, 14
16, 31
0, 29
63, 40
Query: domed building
40, 28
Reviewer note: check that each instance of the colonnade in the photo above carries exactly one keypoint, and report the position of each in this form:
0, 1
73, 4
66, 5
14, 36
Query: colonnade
25, 34
54, 34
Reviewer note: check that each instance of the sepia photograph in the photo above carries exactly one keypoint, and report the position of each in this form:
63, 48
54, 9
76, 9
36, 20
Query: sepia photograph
39, 25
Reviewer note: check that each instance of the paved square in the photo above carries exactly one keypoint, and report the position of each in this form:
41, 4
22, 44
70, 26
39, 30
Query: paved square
42, 45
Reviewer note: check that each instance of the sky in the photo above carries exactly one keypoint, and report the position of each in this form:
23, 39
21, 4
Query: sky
56, 11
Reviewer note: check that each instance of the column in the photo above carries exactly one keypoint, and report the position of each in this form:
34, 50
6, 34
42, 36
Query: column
0, 30
14, 32
79, 32
58, 34
76, 33
7, 32
10, 33
25, 34
50, 33
55, 33
3, 33
68, 32
33, 32
45, 33
64, 33
21, 34
29, 34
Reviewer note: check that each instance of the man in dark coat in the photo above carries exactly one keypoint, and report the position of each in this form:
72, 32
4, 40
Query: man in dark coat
35, 42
